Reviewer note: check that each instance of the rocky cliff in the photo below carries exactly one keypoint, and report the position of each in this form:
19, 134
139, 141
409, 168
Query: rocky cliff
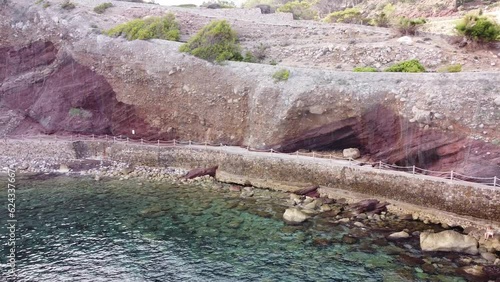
59, 75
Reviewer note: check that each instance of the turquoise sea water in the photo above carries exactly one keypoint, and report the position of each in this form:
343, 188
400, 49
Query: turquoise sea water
77, 229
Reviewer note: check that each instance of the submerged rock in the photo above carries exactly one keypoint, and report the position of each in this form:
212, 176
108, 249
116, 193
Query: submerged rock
448, 241
399, 235
294, 215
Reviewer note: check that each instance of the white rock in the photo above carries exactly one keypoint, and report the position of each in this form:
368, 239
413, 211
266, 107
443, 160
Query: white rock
317, 110
406, 40
448, 241
294, 215
63, 168
359, 224
497, 101
399, 235
351, 153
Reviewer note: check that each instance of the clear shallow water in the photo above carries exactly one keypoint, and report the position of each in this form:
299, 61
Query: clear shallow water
82, 230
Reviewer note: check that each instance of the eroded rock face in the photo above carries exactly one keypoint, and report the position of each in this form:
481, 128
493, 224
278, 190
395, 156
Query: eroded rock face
386, 136
61, 96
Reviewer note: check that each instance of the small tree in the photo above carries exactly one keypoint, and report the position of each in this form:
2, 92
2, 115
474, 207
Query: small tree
478, 28
214, 42
349, 15
408, 26
301, 10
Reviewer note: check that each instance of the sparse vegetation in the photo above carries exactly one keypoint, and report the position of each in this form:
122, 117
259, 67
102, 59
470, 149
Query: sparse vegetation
38, 2
187, 6
478, 28
214, 42
252, 3
102, 7
301, 10
46, 4
273, 63
154, 27
383, 19
450, 68
249, 57
349, 15
406, 66
281, 75
68, 5
408, 26
219, 4
365, 69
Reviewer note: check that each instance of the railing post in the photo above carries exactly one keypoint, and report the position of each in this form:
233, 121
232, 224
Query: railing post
158, 142
189, 144
494, 181
379, 164
272, 151
313, 154
413, 169
114, 139
127, 139
106, 137
297, 154
142, 141
451, 175
174, 142
92, 136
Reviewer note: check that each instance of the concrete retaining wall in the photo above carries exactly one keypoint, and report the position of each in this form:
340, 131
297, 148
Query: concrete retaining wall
281, 172
289, 173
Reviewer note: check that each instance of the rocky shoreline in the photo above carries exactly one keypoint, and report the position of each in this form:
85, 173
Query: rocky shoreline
476, 256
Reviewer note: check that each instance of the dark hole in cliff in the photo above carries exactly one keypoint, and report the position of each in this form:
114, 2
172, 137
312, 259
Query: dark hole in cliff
326, 138
419, 159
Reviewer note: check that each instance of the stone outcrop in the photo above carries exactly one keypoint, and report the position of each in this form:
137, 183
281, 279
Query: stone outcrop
198, 172
448, 241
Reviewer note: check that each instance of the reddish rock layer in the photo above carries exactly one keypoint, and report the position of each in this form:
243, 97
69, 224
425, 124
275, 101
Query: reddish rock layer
385, 136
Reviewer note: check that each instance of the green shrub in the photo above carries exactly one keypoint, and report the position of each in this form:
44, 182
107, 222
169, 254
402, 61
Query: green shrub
301, 10
281, 75
409, 26
154, 27
102, 7
273, 63
450, 68
252, 3
406, 66
349, 15
382, 19
365, 69
223, 4
478, 28
67, 5
214, 42
187, 6
46, 5
249, 57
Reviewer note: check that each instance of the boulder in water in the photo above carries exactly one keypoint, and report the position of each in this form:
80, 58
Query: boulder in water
448, 241
294, 215
197, 172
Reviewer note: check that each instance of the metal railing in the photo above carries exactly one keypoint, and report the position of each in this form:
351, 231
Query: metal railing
450, 175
